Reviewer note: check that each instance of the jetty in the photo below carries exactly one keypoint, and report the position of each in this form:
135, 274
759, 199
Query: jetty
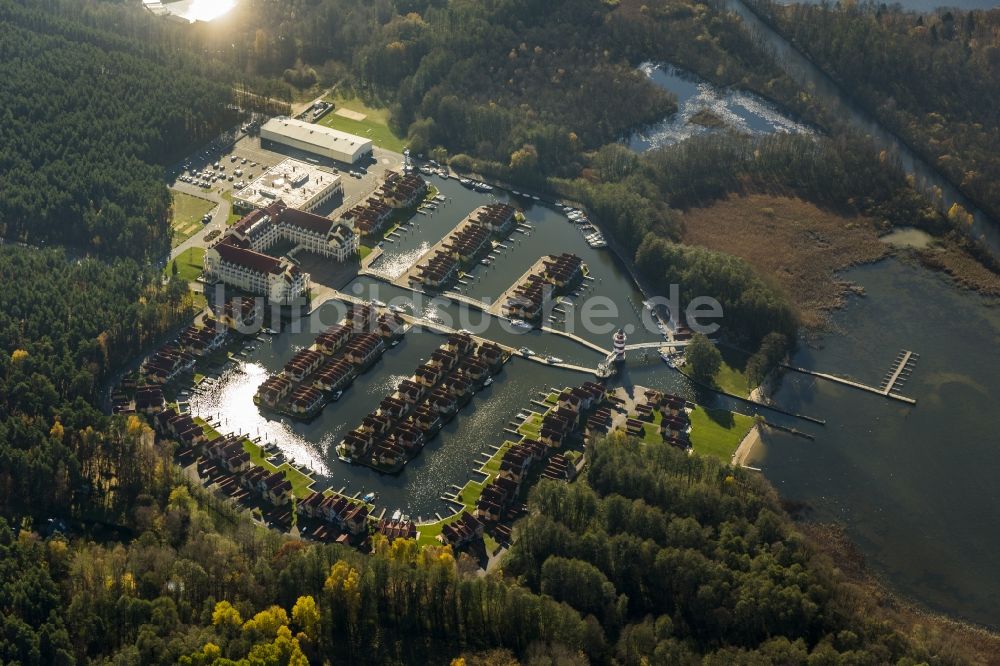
904, 362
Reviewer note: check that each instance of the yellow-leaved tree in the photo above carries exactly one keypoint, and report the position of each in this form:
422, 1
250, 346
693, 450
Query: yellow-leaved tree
305, 614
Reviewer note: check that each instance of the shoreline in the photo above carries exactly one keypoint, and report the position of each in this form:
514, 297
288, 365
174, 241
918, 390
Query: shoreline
747, 445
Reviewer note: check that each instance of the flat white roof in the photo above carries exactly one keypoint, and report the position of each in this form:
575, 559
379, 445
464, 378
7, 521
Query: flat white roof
318, 135
294, 182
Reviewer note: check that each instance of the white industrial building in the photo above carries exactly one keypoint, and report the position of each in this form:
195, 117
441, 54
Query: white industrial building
317, 139
300, 185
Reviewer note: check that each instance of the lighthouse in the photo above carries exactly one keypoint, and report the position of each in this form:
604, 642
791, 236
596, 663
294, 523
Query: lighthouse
619, 346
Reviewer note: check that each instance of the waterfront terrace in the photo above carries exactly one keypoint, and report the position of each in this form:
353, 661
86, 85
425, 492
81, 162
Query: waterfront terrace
166, 363
462, 531
512, 466
202, 340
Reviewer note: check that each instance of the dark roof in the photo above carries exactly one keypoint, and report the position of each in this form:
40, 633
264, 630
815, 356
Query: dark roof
261, 263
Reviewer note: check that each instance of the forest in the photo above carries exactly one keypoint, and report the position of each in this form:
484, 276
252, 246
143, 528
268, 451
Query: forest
928, 77
108, 553
65, 327
654, 557
87, 127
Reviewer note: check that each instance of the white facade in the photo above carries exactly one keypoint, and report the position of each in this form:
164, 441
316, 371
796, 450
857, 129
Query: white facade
282, 283
317, 139
339, 243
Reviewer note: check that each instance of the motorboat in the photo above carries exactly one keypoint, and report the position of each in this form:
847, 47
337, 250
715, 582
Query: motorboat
336, 396
520, 323
524, 351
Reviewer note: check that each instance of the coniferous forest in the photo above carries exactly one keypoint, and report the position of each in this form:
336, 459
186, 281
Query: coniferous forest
89, 122
651, 557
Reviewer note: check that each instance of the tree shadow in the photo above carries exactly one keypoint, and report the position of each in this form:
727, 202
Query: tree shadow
723, 417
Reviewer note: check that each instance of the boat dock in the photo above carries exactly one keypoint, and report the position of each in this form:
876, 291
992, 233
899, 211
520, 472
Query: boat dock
903, 366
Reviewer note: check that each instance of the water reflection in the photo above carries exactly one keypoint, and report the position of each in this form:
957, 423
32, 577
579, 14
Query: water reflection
733, 109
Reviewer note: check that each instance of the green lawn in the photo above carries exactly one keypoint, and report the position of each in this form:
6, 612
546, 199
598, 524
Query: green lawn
185, 216
375, 126
300, 482
717, 432
363, 251
532, 426
731, 376
732, 380
189, 264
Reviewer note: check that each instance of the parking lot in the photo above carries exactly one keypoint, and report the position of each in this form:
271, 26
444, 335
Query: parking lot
230, 157
251, 159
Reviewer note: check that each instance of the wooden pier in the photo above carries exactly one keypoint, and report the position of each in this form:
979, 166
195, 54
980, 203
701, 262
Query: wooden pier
903, 363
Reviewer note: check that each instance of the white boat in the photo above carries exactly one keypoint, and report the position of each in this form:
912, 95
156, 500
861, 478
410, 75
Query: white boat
525, 351
553, 359
369, 498
520, 323
534, 197
465, 181
483, 187
336, 396
667, 359
485, 262
489, 380
378, 303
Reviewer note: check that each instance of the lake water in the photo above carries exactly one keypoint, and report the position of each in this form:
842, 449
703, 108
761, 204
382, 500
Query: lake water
916, 487
738, 110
